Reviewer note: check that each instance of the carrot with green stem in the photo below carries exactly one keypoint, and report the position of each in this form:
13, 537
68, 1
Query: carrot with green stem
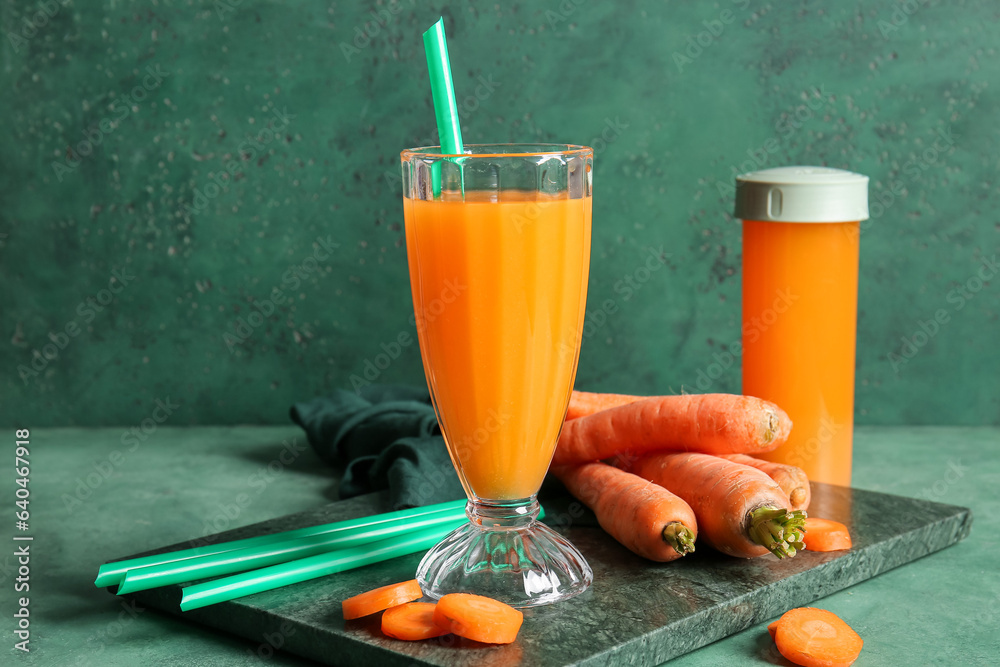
740, 510
792, 480
643, 516
708, 423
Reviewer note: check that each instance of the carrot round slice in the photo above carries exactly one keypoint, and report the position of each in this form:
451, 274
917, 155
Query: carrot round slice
412, 621
817, 638
826, 535
478, 618
772, 629
376, 600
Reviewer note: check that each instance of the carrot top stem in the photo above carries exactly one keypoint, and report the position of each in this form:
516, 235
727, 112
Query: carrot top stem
679, 536
777, 530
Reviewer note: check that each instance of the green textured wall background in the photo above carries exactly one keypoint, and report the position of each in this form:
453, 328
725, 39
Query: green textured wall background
865, 86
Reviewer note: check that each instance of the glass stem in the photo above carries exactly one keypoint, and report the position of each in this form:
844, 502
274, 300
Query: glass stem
503, 514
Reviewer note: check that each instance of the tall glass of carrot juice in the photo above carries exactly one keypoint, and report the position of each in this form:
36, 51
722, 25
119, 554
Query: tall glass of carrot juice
498, 245
800, 294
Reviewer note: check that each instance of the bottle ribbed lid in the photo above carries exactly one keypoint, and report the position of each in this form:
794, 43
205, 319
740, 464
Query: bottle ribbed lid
802, 194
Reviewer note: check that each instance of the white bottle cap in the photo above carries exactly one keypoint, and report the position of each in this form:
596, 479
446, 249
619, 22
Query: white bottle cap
802, 194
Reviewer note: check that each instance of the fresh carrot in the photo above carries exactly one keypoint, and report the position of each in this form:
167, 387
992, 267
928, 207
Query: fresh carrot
376, 600
816, 638
826, 535
412, 621
583, 403
740, 510
791, 479
643, 516
478, 618
709, 423
772, 629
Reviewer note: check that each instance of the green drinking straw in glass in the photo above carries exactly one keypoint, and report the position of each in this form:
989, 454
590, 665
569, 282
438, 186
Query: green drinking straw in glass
443, 94
241, 560
112, 574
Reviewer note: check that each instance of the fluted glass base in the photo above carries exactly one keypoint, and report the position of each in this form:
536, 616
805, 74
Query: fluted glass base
506, 554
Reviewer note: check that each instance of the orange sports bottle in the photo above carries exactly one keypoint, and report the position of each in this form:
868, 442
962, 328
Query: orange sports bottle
801, 232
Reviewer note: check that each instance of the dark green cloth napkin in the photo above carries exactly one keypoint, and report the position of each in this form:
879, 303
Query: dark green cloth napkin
385, 437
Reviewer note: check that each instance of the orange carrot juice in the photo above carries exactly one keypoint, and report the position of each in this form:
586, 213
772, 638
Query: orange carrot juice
800, 291
499, 289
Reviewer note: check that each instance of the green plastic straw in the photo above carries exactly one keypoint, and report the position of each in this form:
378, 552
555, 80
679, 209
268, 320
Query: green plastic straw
320, 565
304, 569
241, 560
112, 574
443, 94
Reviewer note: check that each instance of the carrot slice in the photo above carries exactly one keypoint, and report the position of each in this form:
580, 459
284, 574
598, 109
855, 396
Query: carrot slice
478, 618
412, 621
376, 600
772, 629
817, 638
826, 535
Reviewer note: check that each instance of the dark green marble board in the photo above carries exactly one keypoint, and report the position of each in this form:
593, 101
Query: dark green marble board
636, 613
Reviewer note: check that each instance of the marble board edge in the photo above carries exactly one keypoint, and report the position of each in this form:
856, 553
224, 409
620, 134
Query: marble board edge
653, 648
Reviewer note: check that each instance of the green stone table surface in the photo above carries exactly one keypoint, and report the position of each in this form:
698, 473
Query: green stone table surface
90, 504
